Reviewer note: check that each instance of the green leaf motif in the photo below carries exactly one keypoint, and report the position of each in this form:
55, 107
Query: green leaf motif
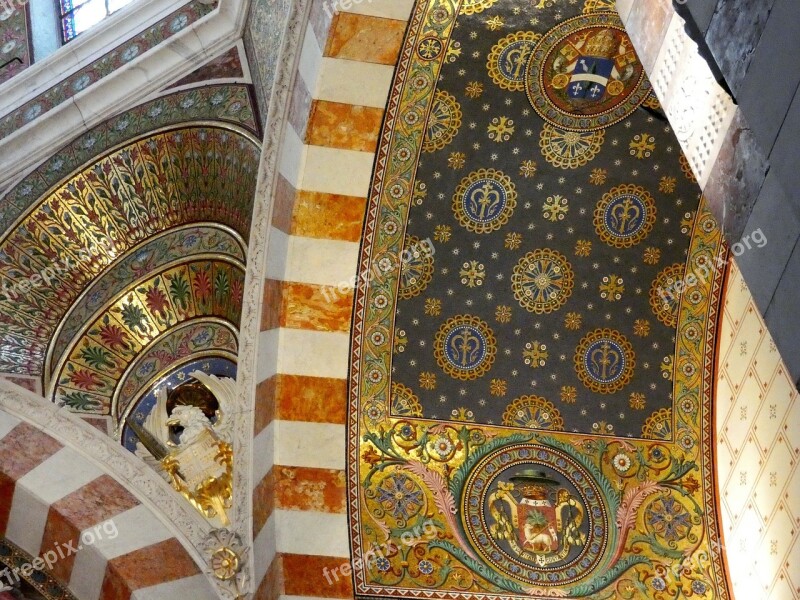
179, 292
133, 317
80, 401
97, 357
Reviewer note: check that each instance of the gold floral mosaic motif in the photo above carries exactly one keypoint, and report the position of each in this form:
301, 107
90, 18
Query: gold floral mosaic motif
533, 412
416, 270
405, 402
508, 60
465, 347
472, 7
658, 425
484, 201
665, 294
625, 216
443, 122
542, 281
605, 361
570, 149
599, 5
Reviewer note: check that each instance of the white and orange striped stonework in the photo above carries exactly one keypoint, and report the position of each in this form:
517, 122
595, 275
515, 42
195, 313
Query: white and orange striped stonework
325, 167
58, 496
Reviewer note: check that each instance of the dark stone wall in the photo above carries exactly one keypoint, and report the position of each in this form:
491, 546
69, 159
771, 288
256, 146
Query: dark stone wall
755, 184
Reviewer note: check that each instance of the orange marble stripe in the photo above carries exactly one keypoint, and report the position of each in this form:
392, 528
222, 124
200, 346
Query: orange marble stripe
159, 563
283, 204
265, 404
271, 305
89, 505
25, 448
317, 576
304, 488
311, 399
365, 39
344, 126
307, 306
263, 501
328, 216
271, 587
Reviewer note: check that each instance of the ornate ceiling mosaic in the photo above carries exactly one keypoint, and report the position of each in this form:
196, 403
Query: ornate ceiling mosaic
171, 247
112, 207
149, 311
552, 231
529, 414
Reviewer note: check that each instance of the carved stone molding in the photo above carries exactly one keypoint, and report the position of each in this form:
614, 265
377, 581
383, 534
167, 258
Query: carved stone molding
286, 71
180, 518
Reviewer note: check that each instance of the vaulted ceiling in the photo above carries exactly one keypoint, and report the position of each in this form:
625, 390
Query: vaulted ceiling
130, 264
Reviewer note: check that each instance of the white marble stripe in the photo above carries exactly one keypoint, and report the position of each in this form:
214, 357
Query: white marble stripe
197, 588
293, 156
265, 548
310, 64
263, 453
337, 171
268, 347
387, 9
304, 444
27, 520
61, 474
7, 423
313, 353
127, 532
354, 82
624, 9
321, 262
277, 250
56, 477
311, 532
312, 260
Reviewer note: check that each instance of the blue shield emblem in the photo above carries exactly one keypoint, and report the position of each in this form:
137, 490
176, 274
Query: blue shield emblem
590, 77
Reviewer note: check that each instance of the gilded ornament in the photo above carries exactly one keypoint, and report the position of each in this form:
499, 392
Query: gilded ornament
584, 74
484, 201
533, 412
605, 361
542, 281
625, 216
665, 294
443, 123
465, 347
570, 149
508, 59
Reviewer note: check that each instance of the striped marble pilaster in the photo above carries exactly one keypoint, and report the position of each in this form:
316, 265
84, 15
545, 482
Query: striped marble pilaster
94, 535
339, 97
